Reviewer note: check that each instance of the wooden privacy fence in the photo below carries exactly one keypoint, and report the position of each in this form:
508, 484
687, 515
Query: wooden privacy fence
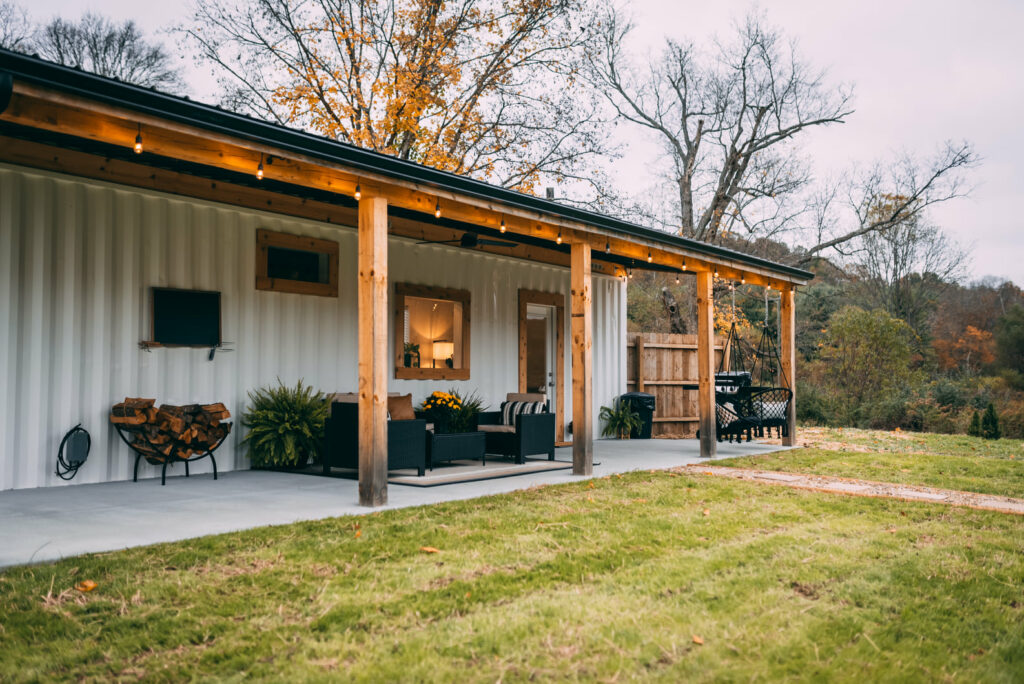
665, 365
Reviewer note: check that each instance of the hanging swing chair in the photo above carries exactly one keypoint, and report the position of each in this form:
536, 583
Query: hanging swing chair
741, 406
734, 411
771, 396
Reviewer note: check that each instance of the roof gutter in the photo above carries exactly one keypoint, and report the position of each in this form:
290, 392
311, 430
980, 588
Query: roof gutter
214, 119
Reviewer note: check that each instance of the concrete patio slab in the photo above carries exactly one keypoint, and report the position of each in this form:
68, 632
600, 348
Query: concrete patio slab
45, 524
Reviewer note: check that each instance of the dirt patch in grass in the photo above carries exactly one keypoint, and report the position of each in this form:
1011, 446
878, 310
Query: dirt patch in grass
868, 488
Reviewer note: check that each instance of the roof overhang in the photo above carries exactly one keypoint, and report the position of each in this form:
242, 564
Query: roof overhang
54, 107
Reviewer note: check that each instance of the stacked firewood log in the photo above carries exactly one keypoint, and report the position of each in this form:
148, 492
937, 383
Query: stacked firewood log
171, 431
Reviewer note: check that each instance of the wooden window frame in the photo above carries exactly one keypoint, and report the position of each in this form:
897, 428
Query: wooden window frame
403, 290
268, 238
552, 299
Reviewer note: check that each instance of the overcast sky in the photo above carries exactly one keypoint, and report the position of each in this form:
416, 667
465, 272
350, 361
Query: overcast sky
923, 72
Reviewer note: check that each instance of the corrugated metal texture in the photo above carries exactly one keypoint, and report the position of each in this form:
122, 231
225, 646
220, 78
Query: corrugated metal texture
77, 259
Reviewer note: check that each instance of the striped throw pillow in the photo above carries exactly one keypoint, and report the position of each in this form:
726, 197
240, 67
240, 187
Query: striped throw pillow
511, 409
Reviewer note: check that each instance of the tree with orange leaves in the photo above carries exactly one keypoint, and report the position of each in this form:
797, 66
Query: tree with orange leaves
483, 88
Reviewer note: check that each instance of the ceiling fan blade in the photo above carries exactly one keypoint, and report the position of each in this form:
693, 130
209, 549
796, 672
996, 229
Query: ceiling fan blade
438, 242
497, 243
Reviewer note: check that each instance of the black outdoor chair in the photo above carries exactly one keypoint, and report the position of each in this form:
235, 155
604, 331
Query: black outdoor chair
407, 444
771, 406
528, 432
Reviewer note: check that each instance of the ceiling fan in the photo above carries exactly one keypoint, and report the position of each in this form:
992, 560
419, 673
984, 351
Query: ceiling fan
469, 241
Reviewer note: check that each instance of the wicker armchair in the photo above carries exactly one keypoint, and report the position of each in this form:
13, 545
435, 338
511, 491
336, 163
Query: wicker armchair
517, 430
407, 440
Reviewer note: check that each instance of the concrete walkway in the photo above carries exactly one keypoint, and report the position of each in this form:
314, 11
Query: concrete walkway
46, 524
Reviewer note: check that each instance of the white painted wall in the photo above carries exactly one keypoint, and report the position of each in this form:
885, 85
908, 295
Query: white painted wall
77, 259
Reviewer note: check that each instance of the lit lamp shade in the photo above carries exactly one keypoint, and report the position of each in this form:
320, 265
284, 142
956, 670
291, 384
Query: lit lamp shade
443, 349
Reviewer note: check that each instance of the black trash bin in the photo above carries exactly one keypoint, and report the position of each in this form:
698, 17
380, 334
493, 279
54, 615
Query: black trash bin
642, 403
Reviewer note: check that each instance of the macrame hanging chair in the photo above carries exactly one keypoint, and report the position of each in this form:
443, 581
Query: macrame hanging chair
769, 392
734, 414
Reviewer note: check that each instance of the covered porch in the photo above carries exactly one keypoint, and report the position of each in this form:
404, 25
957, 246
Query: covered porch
366, 213
107, 516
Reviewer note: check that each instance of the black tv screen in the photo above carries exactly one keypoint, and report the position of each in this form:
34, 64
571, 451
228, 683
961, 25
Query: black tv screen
186, 317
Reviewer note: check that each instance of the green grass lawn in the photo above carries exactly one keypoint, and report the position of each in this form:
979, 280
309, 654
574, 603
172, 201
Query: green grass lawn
611, 582
948, 461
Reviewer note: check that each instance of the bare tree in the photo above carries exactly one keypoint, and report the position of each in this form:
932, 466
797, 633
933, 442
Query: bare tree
119, 51
726, 120
884, 199
486, 88
16, 31
906, 268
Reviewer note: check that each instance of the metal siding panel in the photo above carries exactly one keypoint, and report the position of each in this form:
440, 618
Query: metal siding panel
78, 259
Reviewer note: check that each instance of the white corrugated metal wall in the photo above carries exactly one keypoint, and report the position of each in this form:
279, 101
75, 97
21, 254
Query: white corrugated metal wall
77, 259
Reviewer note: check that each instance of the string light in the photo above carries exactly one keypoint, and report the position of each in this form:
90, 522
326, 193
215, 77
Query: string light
502, 227
650, 258
359, 192
743, 279
437, 210
716, 272
259, 169
629, 272
607, 246
684, 264
559, 238
138, 141
677, 278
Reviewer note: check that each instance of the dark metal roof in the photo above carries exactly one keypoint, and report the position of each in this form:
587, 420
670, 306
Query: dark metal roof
214, 119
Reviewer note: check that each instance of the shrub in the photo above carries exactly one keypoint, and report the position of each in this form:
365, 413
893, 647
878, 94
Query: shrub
990, 423
974, 430
286, 425
949, 394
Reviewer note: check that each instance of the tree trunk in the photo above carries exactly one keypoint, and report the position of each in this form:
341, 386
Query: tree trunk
675, 319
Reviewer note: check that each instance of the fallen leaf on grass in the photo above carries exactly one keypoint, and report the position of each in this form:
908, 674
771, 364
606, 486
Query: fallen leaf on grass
359, 533
698, 640
639, 500
590, 499
429, 549
707, 512
86, 585
590, 485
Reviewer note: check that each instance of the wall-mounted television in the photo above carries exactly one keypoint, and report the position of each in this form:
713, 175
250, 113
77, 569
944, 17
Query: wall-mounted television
186, 318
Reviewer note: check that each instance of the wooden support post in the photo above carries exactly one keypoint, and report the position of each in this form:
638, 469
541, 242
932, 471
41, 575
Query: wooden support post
706, 363
373, 351
582, 362
640, 362
787, 345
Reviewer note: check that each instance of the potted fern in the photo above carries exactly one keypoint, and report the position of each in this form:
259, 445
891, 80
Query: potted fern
619, 421
286, 426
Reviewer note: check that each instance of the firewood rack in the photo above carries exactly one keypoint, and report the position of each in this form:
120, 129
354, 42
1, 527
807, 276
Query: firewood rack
125, 431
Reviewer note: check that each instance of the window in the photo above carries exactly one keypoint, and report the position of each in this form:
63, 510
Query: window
431, 333
186, 318
291, 263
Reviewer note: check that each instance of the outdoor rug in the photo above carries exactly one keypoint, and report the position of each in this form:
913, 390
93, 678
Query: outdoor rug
453, 472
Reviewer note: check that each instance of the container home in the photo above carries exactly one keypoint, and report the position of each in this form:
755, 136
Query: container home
151, 246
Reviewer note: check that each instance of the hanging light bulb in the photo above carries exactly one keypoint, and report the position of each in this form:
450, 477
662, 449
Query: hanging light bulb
437, 210
743, 279
677, 278
502, 227
684, 265
629, 272
767, 288
650, 258
559, 238
259, 169
607, 246
138, 141
716, 272
359, 192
